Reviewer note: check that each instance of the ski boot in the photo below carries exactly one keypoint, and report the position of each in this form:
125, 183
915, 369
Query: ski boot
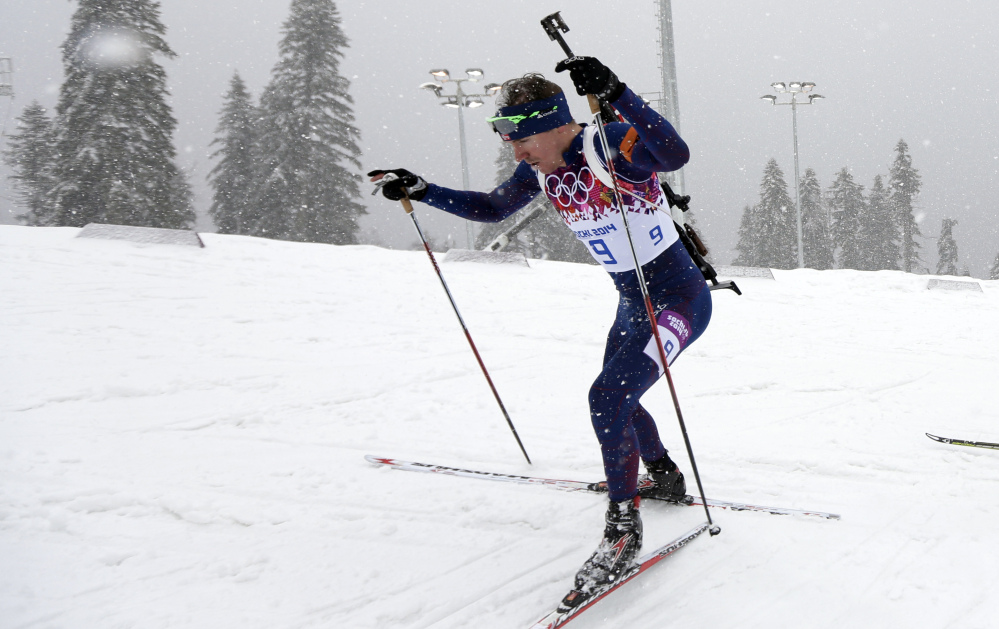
667, 481
614, 556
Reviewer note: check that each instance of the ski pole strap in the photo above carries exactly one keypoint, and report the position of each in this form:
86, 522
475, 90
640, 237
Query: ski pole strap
592, 160
598, 170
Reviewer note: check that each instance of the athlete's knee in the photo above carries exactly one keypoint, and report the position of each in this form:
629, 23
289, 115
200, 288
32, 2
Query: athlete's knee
601, 408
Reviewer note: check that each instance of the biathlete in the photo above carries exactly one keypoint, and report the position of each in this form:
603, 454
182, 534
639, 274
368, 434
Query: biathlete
560, 158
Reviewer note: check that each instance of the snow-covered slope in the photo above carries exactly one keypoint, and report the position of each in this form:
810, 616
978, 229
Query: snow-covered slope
182, 435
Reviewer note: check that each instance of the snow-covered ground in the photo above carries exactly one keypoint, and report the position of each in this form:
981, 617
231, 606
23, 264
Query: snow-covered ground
182, 434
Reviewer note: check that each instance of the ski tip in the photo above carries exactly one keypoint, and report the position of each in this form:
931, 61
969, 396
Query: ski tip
936, 438
380, 460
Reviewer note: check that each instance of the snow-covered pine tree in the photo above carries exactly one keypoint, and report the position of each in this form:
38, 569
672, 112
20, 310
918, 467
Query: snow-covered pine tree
994, 271
306, 186
879, 230
232, 178
846, 200
815, 224
947, 248
904, 183
775, 221
114, 129
181, 193
29, 154
748, 244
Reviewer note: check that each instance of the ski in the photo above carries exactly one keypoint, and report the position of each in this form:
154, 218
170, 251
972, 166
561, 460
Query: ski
555, 619
644, 487
962, 442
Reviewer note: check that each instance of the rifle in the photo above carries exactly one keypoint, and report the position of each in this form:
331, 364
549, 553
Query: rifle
693, 243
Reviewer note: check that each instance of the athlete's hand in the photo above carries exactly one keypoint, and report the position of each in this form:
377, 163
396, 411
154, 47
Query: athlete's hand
592, 77
398, 183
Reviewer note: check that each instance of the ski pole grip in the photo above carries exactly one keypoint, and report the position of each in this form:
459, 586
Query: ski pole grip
406, 205
594, 103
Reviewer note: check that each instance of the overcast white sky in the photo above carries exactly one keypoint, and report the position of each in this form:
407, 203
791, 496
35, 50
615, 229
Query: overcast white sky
920, 70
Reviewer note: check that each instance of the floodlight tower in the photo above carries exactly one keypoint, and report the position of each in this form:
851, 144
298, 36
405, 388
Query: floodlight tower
669, 105
794, 88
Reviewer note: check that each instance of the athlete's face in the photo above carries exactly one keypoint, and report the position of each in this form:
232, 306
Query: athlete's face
544, 150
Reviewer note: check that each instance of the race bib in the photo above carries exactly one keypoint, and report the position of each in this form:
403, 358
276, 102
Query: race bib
674, 331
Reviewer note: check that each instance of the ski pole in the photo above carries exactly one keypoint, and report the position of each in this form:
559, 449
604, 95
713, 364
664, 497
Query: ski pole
408, 206
553, 24
714, 530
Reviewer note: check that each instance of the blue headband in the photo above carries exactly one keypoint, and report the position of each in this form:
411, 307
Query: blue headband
535, 116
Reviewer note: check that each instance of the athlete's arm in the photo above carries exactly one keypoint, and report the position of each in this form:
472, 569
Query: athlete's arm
487, 207
653, 145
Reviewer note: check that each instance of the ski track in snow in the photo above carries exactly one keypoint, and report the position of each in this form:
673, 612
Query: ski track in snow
182, 434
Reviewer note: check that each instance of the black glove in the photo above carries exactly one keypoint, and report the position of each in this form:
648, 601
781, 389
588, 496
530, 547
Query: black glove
592, 77
399, 183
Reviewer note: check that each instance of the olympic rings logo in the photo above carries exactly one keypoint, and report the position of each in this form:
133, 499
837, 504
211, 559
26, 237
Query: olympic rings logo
571, 187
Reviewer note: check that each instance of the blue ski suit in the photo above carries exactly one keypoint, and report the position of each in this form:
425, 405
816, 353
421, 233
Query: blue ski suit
680, 297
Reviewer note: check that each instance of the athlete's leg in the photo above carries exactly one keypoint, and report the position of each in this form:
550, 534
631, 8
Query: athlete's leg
627, 431
613, 398
649, 443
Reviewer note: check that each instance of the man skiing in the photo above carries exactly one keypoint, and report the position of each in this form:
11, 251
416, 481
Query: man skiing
561, 158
